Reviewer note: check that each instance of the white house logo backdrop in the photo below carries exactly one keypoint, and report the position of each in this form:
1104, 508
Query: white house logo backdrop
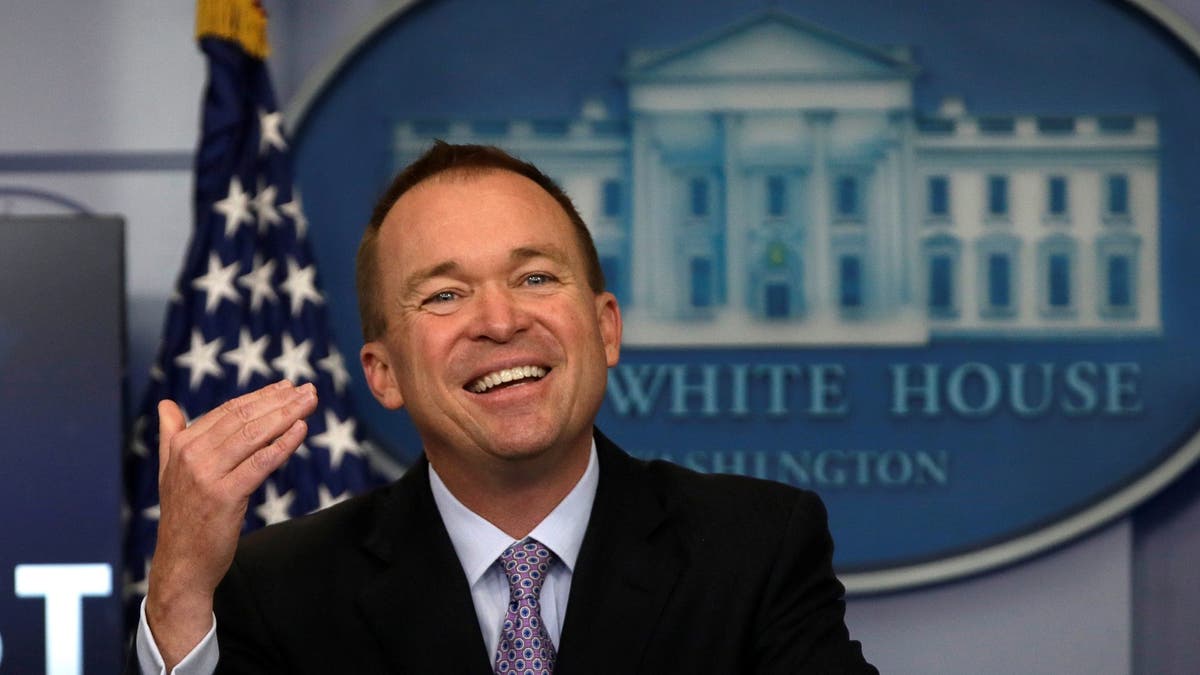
931, 261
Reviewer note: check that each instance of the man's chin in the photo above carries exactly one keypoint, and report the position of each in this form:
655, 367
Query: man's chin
531, 447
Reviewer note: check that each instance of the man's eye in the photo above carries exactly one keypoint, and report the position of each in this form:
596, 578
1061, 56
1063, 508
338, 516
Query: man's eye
538, 279
441, 296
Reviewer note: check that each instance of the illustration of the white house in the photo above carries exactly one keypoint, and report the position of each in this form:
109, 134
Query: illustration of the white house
773, 184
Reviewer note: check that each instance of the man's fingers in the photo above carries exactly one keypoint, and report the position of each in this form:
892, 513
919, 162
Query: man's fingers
170, 422
247, 476
246, 406
245, 427
253, 436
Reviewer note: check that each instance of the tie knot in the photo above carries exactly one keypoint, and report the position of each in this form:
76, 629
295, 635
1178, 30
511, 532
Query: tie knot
525, 564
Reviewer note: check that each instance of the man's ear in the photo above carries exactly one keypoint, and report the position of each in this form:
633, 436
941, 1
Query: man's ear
381, 377
608, 316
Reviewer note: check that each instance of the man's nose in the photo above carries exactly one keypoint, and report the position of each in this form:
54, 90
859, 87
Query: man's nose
498, 314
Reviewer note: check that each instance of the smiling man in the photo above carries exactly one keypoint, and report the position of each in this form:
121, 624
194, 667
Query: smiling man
525, 541
486, 323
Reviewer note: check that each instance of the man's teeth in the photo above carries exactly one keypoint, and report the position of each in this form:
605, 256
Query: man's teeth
507, 375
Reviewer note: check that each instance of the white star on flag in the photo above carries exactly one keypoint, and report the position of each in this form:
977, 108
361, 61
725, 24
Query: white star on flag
292, 362
258, 282
264, 205
301, 285
325, 500
338, 438
235, 207
200, 359
274, 508
152, 512
336, 367
270, 125
295, 210
217, 283
136, 444
249, 357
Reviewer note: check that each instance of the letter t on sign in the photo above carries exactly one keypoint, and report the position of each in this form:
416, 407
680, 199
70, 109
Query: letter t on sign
63, 587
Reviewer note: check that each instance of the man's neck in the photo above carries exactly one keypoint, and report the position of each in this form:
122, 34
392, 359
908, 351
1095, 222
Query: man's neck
515, 496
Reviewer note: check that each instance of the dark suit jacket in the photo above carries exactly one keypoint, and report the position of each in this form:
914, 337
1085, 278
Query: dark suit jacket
678, 573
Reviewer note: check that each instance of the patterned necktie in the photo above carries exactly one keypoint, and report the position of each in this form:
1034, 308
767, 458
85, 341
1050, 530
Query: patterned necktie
525, 646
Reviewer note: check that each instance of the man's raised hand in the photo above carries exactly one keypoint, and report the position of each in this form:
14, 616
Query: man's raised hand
207, 473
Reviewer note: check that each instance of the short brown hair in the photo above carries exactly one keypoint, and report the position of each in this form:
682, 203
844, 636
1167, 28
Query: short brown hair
442, 158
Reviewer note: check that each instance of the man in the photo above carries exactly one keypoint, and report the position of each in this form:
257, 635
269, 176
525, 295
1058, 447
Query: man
525, 540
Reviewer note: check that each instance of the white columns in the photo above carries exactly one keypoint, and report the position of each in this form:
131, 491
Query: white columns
736, 213
818, 267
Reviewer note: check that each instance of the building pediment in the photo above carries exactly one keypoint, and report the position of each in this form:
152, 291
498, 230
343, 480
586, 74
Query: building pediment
773, 46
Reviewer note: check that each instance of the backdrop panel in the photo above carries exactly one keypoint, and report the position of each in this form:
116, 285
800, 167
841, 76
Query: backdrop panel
61, 372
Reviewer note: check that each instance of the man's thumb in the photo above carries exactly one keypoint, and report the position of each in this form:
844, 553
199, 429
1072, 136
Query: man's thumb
170, 422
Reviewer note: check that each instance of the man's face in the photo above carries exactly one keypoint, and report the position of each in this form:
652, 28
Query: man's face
495, 342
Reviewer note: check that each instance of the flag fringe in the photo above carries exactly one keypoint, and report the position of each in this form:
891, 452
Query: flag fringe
242, 21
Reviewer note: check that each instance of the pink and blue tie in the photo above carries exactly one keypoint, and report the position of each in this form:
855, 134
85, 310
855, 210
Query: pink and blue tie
525, 647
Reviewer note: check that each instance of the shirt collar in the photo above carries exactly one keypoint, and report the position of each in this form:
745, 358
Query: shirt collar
479, 543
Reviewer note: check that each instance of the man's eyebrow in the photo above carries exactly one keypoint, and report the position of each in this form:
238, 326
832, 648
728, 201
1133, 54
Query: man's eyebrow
549, 251
414, 280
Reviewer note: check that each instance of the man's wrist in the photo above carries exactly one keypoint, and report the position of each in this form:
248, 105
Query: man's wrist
201, 660
178, 622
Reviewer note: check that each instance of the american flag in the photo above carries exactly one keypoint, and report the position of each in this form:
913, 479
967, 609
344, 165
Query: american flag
247, 309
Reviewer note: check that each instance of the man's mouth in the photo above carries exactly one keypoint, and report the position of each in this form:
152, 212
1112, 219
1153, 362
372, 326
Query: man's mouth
507, 377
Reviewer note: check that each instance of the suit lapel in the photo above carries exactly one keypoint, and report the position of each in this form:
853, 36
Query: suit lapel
420, 606
627, 568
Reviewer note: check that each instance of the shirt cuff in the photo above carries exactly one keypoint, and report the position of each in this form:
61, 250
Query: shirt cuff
202, 660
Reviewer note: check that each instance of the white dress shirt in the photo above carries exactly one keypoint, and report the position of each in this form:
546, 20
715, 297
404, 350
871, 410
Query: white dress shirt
478, 544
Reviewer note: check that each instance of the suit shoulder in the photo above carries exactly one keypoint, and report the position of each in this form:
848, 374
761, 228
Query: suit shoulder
731, 499
318, 531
